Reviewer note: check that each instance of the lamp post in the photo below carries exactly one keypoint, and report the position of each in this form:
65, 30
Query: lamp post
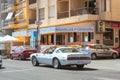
38, 23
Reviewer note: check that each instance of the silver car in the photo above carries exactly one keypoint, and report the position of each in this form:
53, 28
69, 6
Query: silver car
100, 50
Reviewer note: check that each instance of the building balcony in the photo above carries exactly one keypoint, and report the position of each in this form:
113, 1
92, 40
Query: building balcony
64, 14
32, 1
32, 6
6, 23
13, 23
77, 12
32, 21
81, 11
21, 2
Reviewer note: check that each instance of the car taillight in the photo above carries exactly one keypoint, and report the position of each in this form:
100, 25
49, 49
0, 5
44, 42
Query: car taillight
24, 51
90, 46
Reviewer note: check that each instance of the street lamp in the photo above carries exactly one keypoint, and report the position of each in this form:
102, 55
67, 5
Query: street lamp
38, 23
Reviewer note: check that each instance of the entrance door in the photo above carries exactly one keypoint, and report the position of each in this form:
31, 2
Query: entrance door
60, 39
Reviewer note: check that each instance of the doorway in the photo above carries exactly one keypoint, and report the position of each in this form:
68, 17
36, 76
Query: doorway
60, 39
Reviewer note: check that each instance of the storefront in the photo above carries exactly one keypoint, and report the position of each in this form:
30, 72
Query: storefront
24, 38
111, 35
67, 35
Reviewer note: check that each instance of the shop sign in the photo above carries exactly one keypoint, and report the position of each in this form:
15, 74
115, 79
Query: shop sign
35, 34
30, 32
75, 29
67, 29
116, 25
47, 30
21, 33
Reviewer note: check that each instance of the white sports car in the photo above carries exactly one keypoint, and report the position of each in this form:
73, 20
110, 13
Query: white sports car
61, 56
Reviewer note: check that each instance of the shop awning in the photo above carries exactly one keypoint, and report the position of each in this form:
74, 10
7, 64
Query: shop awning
9, 16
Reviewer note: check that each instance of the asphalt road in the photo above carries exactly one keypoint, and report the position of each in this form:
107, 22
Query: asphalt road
107, 69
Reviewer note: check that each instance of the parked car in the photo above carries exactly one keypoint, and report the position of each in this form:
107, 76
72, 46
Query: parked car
100, 50
61, 56
22, 52
0, 61
117, 49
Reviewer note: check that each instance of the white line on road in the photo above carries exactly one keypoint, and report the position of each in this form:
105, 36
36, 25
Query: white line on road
103, 78
17, 70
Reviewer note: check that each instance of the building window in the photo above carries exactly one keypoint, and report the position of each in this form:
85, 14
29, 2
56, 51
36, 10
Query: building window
87, 36
42, 13
108, 37
51, 11
103, 5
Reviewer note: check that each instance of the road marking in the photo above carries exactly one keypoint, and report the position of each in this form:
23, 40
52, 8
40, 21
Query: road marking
17, 70
103, 78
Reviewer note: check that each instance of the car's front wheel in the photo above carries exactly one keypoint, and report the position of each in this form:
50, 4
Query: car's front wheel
114, 55
56, 63
34, 61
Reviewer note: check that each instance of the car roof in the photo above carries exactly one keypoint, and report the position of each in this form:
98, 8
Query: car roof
94, 44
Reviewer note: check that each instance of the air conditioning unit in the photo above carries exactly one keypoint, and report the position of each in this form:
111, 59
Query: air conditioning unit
100, 27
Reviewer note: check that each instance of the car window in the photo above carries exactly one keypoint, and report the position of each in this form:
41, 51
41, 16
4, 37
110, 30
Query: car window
104, 47
58, 51
16, 49
97, 46
69, 50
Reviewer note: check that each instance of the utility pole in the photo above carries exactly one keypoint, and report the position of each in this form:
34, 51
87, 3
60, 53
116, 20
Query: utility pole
38, 23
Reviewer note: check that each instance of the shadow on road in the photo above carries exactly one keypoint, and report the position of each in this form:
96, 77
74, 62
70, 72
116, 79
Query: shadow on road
2, 68
106, 59
72, 68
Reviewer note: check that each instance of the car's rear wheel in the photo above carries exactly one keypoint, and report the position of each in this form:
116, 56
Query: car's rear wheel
114, 55
34, 61
56, 63
80, 66
0, 66
93, 56
11, 57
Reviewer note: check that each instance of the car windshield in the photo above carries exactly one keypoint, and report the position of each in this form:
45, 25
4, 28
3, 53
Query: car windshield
69, 50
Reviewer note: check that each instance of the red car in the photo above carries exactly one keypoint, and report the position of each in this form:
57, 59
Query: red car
21, 52
117, 49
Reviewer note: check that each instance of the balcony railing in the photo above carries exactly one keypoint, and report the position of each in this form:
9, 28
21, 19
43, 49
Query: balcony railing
21, 2
81, 11
4, 6
32, 21
64, 14
7, 22
19, 21
32, 1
